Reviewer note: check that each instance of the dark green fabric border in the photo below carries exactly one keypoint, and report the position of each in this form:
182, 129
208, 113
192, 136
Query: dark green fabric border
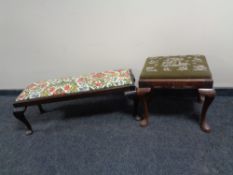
160, 73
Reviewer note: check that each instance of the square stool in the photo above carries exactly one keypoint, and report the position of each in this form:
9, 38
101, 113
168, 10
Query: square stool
181, 72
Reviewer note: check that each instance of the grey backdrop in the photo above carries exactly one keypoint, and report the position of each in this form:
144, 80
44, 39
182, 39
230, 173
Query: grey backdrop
52, 38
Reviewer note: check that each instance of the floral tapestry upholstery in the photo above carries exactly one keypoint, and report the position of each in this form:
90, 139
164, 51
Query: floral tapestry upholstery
71, 85
183, 66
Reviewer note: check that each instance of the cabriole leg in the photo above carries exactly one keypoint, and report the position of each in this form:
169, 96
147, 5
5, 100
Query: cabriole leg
19, 114
142, 95
209, 95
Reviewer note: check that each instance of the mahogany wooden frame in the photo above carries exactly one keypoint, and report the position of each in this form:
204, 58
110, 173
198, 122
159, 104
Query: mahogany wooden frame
204, 88
21, 106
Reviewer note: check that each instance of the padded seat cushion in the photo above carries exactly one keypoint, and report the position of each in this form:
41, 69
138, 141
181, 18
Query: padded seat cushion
176, 67
71, 85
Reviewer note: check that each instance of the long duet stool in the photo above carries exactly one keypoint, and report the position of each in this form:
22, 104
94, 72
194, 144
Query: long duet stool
55, 90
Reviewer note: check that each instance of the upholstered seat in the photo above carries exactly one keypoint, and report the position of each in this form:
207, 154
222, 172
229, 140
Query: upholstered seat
73, 85
177, 72
177, 67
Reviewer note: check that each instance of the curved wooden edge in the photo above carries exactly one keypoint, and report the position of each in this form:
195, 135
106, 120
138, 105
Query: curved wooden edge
207, 92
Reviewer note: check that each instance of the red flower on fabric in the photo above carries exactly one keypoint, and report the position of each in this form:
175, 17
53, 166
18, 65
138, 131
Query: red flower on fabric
98, 84
51, 89
80, 80
98, 75
67, 88
127, 74
31, 86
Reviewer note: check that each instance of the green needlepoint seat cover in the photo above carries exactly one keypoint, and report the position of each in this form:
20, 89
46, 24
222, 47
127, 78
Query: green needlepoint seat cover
176, 67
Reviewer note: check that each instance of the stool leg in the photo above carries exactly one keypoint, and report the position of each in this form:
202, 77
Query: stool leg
144, 122
41, 109
142, 95
19, 114
199, 97
134, 96
135, 114
209, 95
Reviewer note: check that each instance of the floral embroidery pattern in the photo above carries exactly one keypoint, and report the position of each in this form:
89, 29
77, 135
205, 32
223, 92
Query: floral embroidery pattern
199, 68
69, 85
177, 63
151, 69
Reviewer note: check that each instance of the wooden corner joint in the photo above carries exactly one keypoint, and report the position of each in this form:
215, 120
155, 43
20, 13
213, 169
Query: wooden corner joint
130, 93
207, 92
143, 91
